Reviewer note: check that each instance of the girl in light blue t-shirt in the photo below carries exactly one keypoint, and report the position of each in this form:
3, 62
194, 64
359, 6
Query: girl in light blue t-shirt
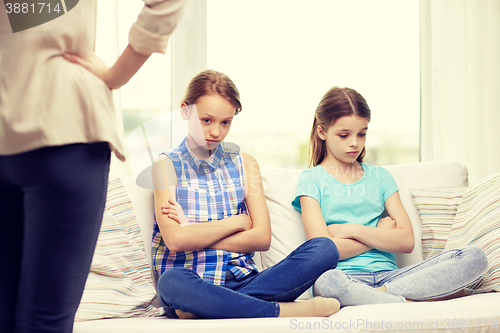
344, 199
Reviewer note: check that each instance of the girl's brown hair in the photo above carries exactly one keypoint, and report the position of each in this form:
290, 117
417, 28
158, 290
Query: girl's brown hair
210, 82
336, 103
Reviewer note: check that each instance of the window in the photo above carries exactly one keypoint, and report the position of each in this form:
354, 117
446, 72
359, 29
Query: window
148, 94
283, 55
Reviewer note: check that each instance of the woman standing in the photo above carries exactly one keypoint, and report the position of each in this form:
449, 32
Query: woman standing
57, 128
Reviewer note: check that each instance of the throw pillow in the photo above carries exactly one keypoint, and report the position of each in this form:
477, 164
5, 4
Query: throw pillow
119, 283
437, 207
478, 223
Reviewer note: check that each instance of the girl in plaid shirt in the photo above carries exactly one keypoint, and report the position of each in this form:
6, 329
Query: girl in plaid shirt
211, 216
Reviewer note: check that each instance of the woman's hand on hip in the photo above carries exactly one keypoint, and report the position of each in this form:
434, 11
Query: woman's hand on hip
95, 65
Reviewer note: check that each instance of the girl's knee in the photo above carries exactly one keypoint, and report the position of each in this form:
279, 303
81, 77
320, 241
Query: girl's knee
172, 282
326, 252
477, 257
330, 283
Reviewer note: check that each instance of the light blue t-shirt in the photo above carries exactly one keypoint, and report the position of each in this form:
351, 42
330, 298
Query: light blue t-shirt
362, 202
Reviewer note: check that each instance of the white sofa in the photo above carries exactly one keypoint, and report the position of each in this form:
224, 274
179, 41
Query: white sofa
475, 313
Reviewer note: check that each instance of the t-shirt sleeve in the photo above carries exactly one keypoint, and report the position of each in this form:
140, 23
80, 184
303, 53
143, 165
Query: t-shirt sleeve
306, 185
389, 186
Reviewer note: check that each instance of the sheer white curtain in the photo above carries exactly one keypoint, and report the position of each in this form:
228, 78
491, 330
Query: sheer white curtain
148, 94
107, 48
460, 83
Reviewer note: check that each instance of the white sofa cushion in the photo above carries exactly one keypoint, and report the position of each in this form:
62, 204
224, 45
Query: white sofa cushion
477, 313
286, 222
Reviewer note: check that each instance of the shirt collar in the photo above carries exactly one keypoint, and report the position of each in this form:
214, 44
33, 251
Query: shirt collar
213, 161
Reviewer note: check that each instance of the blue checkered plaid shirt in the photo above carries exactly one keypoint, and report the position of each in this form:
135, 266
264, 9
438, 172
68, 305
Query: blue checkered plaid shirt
207, 190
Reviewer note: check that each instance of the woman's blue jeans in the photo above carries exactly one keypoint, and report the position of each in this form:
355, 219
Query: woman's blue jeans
51, 204
256, 295
439, 276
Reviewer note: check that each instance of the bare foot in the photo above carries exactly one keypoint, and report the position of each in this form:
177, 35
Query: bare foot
314, 307
185, 315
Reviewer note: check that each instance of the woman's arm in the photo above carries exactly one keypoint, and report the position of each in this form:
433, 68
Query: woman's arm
315, 226
149, 34
195, 236
258, 238
119, 74
398, 239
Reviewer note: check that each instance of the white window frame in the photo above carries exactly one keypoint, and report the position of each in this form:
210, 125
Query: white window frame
189, 57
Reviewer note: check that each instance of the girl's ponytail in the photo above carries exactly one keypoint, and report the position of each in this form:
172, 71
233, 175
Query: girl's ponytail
317, 148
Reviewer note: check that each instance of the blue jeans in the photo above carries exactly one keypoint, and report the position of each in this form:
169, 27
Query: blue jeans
439, 276
256, 295
51, 202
